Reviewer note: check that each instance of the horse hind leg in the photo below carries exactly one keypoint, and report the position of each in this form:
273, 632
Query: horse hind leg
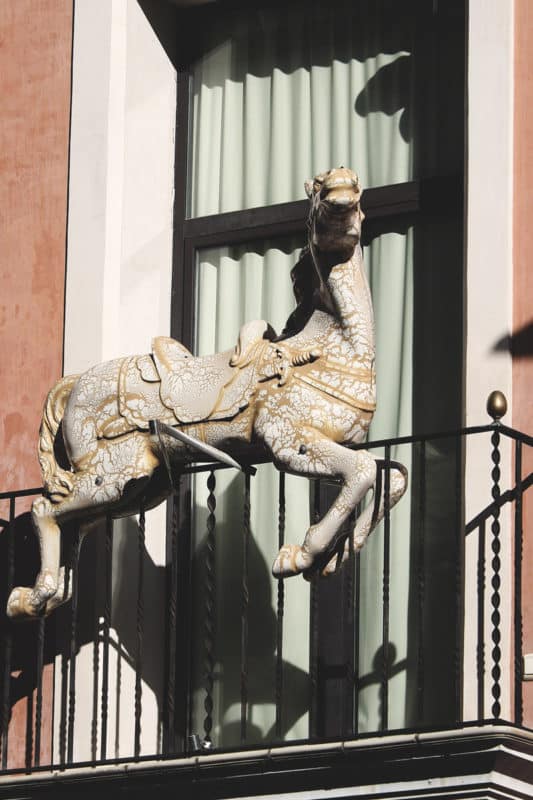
94, 492
50, 588
30, 602
371, 516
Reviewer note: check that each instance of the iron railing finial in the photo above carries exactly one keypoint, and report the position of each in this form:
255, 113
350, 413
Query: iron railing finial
496, 406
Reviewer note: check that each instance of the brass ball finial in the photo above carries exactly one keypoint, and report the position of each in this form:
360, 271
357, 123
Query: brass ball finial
496, 405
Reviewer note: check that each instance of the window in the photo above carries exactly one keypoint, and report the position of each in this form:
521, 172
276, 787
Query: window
270, 95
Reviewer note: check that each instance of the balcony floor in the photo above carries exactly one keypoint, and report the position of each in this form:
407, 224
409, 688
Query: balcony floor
491, 761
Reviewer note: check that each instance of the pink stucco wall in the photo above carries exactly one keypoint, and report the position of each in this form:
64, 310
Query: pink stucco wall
35, 63
523, 295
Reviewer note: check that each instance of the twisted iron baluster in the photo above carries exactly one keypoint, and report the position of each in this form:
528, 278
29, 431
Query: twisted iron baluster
73, 646
280, 610
357, 640
386, 595
39, 696
8, 636
459, 587
481, 623
29, 731
421, 579
139, 629
63, 705
496, 581
244, 607
313, 637
209, 621
172, 621
96, 665
63, 709
96, 674
105, 633
518, 638
349, 591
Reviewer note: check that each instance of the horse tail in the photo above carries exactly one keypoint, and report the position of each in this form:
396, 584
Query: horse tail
57, 481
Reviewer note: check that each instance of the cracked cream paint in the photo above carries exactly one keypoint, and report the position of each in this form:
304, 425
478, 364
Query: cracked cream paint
303, 398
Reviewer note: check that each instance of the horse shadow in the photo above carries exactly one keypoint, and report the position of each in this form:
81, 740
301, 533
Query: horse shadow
261, 663
59, 643
19, 552
23, 650
226, 620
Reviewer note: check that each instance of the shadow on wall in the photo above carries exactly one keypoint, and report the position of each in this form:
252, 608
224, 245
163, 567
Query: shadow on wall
91, 609
23, 637
519, 343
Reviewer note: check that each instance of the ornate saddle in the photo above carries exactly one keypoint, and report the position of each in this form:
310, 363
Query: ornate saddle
174, 386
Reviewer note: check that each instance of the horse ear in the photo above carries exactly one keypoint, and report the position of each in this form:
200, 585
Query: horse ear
309, 188
360, 191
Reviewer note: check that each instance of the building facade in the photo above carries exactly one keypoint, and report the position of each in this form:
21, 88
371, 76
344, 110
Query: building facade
153, 157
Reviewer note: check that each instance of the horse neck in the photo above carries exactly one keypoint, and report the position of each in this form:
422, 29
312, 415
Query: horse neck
350, 295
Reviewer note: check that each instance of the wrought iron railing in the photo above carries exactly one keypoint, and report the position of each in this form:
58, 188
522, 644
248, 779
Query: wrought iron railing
41, 683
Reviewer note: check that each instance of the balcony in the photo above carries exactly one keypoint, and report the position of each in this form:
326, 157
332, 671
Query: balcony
140, 682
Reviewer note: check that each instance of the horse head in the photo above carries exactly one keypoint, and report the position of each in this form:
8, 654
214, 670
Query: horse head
335, 217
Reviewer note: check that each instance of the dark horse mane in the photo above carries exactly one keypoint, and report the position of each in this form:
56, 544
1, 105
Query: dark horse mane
306, 289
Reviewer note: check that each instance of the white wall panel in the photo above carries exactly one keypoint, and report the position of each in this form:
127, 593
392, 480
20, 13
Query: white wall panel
119, 273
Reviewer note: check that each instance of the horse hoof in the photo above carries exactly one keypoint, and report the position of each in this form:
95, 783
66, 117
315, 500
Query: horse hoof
21, 604
290, 561
335, 563
54, 602
331, 568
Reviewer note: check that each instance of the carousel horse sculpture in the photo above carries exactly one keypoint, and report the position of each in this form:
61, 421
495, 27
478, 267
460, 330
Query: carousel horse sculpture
303, 397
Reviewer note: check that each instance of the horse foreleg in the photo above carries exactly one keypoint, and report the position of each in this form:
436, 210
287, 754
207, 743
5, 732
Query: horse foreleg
370, 517
319, 457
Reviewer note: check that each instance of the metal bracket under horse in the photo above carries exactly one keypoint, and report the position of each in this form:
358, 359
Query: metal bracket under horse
301, 398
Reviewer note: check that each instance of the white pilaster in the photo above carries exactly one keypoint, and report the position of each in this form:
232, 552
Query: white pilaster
489, 287
119, 273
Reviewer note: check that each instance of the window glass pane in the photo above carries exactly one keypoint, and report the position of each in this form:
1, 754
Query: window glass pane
282, 93
241, 283
234, 285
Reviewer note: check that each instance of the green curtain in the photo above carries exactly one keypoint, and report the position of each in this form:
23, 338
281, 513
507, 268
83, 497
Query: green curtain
282, 94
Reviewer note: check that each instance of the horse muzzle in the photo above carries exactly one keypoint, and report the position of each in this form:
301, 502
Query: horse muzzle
340, 200
340, 189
